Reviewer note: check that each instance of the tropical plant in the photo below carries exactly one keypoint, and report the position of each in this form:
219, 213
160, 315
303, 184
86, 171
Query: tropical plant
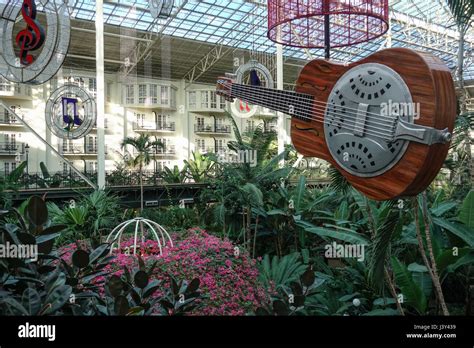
10, 183
173, 176
199, 167
89, 218
144, 147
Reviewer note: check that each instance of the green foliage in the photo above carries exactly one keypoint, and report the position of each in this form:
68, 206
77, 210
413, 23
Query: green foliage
199, 168
293, 299
466, 214
173, 176
135, 294
413, 295
280, 271
463, 12
10, 183
173, 218
91, 217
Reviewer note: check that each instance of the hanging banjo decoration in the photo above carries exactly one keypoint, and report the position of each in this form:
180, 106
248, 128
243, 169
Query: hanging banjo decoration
70, 112
161, 8
256, 73
37, 52
385, 122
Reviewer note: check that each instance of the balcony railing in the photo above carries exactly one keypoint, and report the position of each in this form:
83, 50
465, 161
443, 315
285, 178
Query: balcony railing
215, 149
210, 128
6, 119
153, 126
167, 150
9, 148
76, 149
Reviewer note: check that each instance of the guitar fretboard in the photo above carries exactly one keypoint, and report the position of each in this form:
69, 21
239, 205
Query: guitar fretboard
292, 103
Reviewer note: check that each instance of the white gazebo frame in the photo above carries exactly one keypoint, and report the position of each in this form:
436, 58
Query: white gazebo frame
141, 225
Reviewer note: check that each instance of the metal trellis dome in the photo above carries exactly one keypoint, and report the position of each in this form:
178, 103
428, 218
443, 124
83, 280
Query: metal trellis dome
303, 23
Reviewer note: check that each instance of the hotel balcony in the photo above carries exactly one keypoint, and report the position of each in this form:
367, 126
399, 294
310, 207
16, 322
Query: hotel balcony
212, 129
79, 150
168, 150
206, 101
154, 127
14, 90
11, 149
8, 120
149, 96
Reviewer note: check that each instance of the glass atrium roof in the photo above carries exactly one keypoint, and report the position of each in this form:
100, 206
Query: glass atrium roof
422, 24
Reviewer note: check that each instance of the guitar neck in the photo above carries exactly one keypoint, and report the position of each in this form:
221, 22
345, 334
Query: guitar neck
288, 102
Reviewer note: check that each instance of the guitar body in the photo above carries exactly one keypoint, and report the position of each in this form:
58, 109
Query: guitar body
431, 86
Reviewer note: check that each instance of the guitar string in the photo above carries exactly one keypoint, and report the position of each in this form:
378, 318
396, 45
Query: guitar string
309, 107
292, 93
353, 126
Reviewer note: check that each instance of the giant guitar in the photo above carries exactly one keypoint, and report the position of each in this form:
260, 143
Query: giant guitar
384, 122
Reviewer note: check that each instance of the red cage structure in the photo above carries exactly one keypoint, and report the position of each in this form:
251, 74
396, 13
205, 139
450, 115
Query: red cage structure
326, 23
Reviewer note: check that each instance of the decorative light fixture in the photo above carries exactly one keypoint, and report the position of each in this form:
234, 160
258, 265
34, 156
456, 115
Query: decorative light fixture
70, 112
161, 8
257, 72
51, 42
142, 226
326, 23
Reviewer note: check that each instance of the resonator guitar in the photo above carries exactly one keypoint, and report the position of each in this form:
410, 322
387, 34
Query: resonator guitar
384, 122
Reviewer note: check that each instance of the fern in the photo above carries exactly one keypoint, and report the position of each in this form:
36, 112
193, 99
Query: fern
412, 294
281, 271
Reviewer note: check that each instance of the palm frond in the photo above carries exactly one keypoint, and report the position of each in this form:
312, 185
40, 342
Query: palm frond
338, 182
463, 12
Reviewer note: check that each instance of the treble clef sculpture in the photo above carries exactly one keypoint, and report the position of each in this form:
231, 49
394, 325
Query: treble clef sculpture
32, 37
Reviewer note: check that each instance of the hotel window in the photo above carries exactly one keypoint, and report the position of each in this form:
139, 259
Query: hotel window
140, 118
213, 100
130, 94
92, 85
154, 94
65, 168
201, 145
173, 97
5, 85
220, 145
204, 99
192, 100
200, 124
141, 94
91, 144
250, 126
165, 95
222, 101
91, 167
6, 168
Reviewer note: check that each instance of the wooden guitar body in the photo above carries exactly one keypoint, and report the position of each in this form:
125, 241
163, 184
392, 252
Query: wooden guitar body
430, 84
339, 114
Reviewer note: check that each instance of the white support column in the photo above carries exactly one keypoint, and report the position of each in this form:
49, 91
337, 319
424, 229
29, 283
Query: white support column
99, 53
281, 124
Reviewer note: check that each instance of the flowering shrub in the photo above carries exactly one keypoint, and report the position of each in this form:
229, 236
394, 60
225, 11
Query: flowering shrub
228, 276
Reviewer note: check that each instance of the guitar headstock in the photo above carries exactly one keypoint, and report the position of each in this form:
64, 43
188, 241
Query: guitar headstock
224, 86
